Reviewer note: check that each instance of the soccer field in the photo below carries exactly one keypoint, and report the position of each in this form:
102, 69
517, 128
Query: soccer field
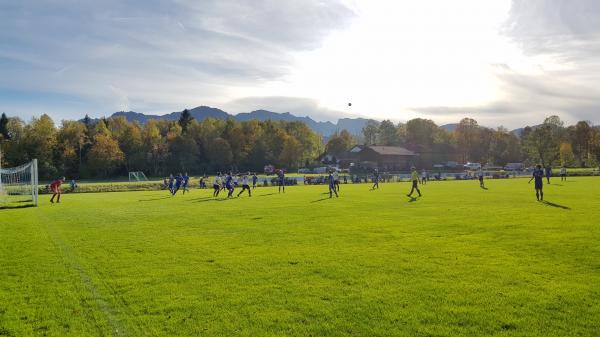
460, 261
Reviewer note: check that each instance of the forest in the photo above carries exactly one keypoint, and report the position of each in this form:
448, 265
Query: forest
110, 147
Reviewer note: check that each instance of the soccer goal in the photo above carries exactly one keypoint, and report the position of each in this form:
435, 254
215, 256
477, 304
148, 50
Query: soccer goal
137, 176
19, 185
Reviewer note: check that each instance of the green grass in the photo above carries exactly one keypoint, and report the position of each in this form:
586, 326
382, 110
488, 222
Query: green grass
460, 261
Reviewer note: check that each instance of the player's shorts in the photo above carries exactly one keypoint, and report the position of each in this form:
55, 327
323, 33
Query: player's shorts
415, 183
246, 186
480, 178
281, 181
216, 186
229, 186
539, 185
55, 189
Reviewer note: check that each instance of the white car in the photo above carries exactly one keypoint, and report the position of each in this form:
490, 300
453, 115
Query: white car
472, 166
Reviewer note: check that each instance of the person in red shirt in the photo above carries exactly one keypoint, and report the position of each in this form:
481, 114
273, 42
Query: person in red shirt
55, 188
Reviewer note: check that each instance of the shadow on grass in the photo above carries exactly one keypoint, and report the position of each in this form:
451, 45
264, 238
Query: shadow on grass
555, 184
318, 200
484, 188
213, 199
412, 199
16, 206
548, 203
197, 199
264, 195
154, 199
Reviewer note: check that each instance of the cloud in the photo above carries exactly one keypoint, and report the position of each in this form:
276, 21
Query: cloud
160, 55
298, 106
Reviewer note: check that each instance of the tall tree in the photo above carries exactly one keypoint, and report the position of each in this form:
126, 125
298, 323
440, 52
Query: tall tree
4, 135
466, 134
388, 134
339, 143
543, 142
185, 119
105, 155
370, 131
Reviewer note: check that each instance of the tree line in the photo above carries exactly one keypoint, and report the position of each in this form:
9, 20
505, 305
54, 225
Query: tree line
114, 146
550, 143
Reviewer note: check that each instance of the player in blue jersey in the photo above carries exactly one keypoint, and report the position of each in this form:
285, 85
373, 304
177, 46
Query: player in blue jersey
332, 187
548, 173
229, 185
375, 179
281, 180
171, 182
185, 183
178, 182
538, 176
254, 180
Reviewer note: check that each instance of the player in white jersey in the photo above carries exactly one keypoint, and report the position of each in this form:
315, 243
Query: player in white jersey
217, 184
245, 185
336, 180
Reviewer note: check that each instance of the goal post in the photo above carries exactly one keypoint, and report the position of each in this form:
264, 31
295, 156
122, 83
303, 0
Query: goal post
19, 185
137, 176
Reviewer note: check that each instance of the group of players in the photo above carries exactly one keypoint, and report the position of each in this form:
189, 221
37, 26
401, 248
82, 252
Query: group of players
175, 183
230, 181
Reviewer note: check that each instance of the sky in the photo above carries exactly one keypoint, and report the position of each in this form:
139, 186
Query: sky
502, 62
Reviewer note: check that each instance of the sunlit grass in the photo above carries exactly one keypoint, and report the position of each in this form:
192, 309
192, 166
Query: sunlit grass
460, 261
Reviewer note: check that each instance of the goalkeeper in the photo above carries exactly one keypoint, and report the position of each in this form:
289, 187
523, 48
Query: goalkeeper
55, 188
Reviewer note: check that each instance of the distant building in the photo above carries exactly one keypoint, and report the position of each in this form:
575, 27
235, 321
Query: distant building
385, 158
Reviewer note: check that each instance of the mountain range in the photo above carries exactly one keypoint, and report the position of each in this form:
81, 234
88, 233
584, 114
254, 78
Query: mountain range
326, 129
353, 125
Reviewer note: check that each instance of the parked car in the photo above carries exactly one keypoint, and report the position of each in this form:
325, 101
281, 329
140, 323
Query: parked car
472, 166
304, 170
452, 164
514, 167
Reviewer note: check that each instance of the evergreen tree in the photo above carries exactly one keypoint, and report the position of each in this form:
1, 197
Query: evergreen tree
184, 120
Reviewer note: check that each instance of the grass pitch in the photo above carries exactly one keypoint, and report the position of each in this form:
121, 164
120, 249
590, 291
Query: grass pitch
460, 261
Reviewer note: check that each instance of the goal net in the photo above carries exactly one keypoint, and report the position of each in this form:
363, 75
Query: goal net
19, 185
137, 176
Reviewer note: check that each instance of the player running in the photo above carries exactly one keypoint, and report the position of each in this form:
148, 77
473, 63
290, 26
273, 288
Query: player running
171, 182
186, 181
563, 173
332, 187
178, 182
55, 188
375, 179
423, 177
217, 185
415, 182
245, 185
281, 181
538, 175
480, 176
229, 185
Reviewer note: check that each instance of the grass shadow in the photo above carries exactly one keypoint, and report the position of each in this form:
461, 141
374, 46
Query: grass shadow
412, 199
154, 199
555, 184
16, 206
264, 195
548, 203
318, 200
484, 188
